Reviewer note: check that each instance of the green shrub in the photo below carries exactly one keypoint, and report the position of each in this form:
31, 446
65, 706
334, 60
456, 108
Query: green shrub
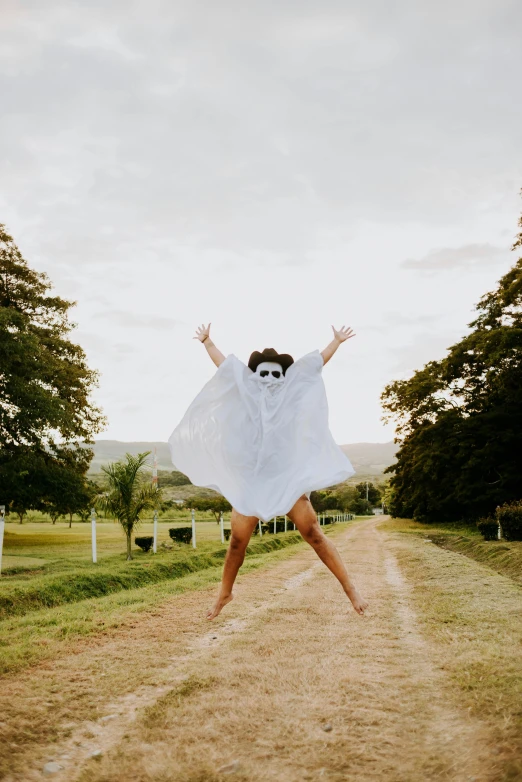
280, 526
181, 534
265, 528
488, 528
227, 533
144, 543
509, 516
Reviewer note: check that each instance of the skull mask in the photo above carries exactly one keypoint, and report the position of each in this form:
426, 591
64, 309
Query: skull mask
270, 372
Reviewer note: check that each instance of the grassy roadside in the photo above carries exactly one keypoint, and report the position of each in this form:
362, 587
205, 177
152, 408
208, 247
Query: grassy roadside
50, 632
68, 665
45, 591
474, 615
47, 633
503, 556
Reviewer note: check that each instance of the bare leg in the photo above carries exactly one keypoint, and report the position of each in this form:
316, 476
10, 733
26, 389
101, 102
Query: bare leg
242, 528
304, 518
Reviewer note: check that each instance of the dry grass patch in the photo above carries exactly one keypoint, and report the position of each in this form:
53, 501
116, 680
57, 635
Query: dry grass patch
474, 616
503, 556
309, 690
93, 653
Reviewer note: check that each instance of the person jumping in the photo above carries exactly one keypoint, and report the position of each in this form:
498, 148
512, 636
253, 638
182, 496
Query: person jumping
258, 434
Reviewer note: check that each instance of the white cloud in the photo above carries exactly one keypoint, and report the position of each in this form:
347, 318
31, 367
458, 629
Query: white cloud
139, 320
467, 257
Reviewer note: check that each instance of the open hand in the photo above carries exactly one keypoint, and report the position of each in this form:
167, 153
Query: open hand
343, 334
202, 332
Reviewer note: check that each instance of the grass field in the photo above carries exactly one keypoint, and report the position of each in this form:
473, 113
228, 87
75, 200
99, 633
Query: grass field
56, 568
57, 543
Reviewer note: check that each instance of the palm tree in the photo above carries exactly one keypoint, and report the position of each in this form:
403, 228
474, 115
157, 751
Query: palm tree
129, 493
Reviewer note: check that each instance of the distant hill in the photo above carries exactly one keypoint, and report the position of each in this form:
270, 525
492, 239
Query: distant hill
106, 451
368, 459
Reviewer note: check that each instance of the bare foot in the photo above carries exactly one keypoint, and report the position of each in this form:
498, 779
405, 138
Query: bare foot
358, 602
218, 605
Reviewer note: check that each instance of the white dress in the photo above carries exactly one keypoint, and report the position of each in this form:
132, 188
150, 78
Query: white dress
260, 442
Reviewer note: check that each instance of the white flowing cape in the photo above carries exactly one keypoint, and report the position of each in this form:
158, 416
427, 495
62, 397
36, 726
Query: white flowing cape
262, 445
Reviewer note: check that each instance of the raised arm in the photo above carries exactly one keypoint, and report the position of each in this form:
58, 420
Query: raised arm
203, 334
339, 336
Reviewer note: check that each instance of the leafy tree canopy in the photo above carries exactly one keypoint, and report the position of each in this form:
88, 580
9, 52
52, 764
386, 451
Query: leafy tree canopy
216, 505
45, 382
459, 420
374, 494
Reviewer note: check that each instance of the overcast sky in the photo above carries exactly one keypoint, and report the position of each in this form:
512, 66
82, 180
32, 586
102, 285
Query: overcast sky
272, 167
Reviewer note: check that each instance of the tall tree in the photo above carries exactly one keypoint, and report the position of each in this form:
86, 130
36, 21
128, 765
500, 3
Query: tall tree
67, 490
45, 383
323, 501
130, 493
22, 481
216, 505
373, 492
459, 420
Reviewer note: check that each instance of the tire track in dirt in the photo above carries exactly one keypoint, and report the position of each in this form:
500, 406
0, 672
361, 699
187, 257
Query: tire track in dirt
93, 736
305, 661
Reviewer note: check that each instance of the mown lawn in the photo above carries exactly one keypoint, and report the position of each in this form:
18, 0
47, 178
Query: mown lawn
57, 543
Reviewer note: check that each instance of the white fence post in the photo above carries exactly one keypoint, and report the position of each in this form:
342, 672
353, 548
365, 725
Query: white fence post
93, 534
275, 524
260, 530
222, 528
193, 529
155, 486
2, 527
286, 523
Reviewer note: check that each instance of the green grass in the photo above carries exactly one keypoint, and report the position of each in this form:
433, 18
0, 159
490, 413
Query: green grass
19, 563
75, 581
38, 538
505, 557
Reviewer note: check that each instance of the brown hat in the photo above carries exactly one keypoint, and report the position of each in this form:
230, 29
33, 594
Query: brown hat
269, 354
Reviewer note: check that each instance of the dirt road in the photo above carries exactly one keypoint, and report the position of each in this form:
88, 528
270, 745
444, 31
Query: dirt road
288, 684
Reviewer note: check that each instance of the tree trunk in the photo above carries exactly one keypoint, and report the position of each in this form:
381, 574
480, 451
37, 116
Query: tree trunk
70, 520
129, 552
21, 517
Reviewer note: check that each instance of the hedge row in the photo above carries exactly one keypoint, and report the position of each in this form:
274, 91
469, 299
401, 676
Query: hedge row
71, 588
508, 517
